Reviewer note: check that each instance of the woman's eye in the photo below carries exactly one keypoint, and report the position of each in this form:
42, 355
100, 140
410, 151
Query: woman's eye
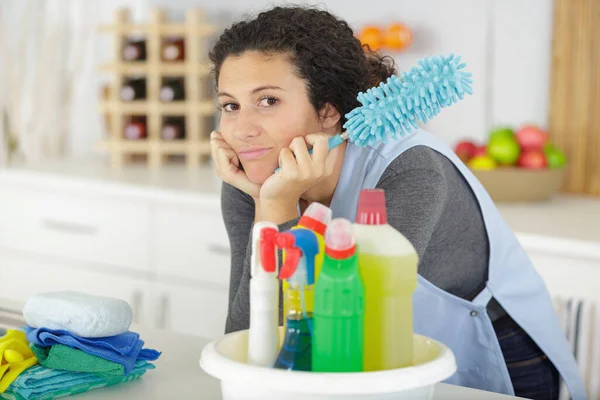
268, 101
230, 107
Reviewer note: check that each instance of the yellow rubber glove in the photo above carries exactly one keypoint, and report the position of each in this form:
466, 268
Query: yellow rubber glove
15, 357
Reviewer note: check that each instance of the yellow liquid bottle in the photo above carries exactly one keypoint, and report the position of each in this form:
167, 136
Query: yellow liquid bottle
388, 266
316, 218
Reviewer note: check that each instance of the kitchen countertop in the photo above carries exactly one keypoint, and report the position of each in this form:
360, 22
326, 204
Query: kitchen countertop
178, 375
565, 223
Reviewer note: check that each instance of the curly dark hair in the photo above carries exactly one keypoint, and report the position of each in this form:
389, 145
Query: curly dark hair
323, 48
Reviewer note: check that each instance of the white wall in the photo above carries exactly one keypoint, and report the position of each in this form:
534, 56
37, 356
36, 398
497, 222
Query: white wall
506, 44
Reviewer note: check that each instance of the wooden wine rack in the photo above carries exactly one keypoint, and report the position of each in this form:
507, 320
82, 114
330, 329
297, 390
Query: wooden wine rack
197, 108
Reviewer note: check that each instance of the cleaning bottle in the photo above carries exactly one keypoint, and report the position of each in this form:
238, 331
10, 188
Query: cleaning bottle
316, 218
339, 304
301, 247
388, 266
263, 333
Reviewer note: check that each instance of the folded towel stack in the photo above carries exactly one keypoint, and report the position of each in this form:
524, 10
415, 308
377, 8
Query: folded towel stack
81, 342
42, 383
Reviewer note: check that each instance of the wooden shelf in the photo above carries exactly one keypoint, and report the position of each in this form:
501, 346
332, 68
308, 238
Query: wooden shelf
148, 145
165, 69
166, 30
205, 108
194, 70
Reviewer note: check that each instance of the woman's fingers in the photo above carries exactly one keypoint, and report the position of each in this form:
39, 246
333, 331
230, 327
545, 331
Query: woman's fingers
320, 149
288, 164
227, 164
226, 161
303, 159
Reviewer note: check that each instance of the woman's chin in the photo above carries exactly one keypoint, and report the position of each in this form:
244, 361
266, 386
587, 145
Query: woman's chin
258, 175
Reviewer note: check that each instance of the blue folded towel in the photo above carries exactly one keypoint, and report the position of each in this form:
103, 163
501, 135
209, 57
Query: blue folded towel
39, 382
124, 349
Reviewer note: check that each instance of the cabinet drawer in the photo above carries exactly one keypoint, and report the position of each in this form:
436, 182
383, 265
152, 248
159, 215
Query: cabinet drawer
568, 276
22, 276
191, 243
74, 226
193, 311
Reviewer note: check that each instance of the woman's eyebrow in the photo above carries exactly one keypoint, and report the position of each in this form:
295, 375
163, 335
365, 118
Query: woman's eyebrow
255, 90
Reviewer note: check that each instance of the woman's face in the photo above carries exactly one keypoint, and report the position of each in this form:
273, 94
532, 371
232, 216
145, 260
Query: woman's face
264, 106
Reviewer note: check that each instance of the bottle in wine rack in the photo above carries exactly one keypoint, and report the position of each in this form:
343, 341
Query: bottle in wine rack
134, 49
172, 89
133, 89
135, 128
173, 49
173, 128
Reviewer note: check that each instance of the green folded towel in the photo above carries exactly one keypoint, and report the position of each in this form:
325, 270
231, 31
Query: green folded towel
66, 358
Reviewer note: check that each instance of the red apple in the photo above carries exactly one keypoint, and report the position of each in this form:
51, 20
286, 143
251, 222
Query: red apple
531, 137
465, 150
480, 151
532, 159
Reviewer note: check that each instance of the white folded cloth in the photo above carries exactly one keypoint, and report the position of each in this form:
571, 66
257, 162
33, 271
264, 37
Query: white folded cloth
82, 314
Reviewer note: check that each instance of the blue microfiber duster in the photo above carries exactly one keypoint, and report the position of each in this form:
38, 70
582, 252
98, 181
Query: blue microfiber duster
394, 107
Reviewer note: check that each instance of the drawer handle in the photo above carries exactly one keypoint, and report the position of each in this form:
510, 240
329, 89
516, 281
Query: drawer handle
69, 227
136, 306
161, 322
218, 249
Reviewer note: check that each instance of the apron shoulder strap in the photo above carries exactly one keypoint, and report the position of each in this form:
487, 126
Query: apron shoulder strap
483, 298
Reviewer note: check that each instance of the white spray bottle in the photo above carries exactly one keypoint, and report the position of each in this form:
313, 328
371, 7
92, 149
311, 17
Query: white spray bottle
263, 335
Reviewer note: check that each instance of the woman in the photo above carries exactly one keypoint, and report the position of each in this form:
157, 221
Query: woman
285, 81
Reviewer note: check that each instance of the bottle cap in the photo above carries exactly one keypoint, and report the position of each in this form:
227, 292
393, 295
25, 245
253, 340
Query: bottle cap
340, 242
167, 93
131, 52
371, 207
264, 255
135, 130
170, 132
316, 218
127, 93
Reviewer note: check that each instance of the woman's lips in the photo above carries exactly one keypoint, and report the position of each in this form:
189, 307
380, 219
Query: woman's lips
253, 153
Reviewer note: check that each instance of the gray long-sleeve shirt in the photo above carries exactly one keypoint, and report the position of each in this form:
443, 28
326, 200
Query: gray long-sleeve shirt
428, 201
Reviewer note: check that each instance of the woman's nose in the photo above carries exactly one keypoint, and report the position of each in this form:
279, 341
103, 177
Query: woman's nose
246, 126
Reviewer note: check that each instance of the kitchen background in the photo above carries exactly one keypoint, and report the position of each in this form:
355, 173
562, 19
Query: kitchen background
138, 217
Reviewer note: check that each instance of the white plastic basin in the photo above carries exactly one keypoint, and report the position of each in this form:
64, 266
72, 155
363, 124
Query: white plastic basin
226, 360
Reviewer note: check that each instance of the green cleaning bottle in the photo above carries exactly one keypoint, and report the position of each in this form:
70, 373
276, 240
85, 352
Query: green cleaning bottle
338, 315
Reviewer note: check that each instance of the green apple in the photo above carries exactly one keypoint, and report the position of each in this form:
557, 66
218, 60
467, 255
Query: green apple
548, 146
504, 132
504, 150
482, 162
555, 157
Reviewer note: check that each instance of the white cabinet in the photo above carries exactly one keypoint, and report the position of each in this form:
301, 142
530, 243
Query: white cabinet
74, 225
568, 276
165, 252
191, 310
23, 275
191, 243
569, 267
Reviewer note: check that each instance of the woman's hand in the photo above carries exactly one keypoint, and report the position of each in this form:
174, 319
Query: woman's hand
300, 171
227, 165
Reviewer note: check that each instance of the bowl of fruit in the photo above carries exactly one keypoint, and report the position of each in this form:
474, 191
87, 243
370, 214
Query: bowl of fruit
516, 165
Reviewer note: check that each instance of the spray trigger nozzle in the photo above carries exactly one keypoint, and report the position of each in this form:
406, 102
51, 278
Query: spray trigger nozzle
286, 241
268, 237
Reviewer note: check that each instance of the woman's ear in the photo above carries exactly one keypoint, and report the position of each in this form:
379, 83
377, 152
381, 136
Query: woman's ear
329, 116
